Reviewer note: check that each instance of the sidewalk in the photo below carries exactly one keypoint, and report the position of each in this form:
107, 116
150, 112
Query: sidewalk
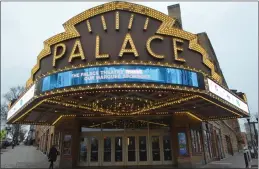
236, 161
23, 157
29, 157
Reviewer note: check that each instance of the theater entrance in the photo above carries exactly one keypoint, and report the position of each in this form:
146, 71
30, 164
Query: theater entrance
125, 147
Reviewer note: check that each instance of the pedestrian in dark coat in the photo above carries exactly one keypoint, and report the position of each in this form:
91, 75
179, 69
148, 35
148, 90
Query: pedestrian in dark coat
53, 153
13, 144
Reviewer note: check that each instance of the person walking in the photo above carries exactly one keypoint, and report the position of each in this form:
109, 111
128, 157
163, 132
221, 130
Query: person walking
53, 153
13, 144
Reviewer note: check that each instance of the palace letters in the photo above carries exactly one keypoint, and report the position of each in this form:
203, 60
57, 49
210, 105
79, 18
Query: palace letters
78, 52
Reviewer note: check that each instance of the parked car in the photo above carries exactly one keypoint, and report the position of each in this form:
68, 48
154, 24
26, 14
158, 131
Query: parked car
4, 143
1, 144
9, 140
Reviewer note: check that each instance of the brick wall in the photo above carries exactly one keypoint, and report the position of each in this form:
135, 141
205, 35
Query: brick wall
228, 131
41, 136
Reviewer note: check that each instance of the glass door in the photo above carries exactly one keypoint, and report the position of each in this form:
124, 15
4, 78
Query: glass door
83, 161
142, 150
118, 151
131, 148
107, 150
125, 148
156, 150
94, 151
167, 152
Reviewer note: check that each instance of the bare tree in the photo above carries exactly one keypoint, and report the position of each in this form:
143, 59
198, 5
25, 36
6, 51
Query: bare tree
10, 97
4, 110
14, 93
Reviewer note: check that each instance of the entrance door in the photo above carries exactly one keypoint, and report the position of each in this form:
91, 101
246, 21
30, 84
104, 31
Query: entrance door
131, 150
118, 151
89, 151
160, 149
142, 150
83, 157
122, 148
112, 149
107, 150
94, 151
167, 151
155, 150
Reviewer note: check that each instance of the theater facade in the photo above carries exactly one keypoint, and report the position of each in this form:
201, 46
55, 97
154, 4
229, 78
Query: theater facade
125, 85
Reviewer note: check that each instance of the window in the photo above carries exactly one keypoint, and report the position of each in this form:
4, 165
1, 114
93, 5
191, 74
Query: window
199, 141
196, 141
56, 140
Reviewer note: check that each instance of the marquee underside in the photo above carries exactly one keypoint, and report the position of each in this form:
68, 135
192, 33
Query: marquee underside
113, 103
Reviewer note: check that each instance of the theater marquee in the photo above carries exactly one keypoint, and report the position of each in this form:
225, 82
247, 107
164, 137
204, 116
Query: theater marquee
121, 53
122, 32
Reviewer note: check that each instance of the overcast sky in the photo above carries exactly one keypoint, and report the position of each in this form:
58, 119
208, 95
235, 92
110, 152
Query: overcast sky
231, 26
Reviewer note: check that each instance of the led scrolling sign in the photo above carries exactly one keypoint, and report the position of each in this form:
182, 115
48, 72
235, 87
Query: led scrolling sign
121, 74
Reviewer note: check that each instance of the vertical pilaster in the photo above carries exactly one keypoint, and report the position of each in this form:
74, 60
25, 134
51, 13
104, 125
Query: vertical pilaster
174, 141
75, 143
69, 127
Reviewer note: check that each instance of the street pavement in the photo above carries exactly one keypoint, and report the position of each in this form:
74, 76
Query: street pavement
29, 157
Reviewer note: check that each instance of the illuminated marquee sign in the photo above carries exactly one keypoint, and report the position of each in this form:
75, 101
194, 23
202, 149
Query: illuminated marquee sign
120, 74
224, 94
127, 41
122, 32
21, 102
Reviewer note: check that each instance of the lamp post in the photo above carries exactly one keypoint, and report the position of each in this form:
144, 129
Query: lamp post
248, 120
251, 135
255, 131
256, 138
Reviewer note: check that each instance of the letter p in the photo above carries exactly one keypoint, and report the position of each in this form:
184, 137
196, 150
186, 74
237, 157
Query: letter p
58, 56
